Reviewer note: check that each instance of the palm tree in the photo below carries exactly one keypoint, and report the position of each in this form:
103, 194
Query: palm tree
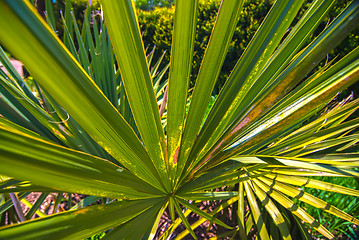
97, 129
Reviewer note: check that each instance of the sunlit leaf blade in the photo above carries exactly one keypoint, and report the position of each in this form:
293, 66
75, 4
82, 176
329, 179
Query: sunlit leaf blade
128, 47
184, 33
242, 77
307, 131
36, 206
273, 211
291, 76
68, 6
241, 211
318, 165
136, 228
6, 182
309, 199
291, 206
184, 219
354, 157
50, 15
323, 84
83, 56
293, 112
79, 224
69, 126
156, 223
85, 202
154, 69
208, 195
56, 167
53, 66
13, 110
202, 213
5, 61
312, 183
70, 43
10, 113
215, 178
46, 119
29, 205
210, 68
319, 81
256, 212
202, 220
328, 118
4, 123
317, 147
8, 204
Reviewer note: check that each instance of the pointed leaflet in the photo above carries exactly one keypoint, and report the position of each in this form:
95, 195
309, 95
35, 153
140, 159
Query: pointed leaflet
12, 109
136, 228
324, 166
5, 61
256, 54
293, 113
256, 212
273, 211
316, 81
202, 220
35, 208
27, 36
216, 178
126, 39
53, 166
50, 14
206, 196
184, 33
210, 68
29, 205
12, 114
302, 65
310, 128
86, 143
79, 224
184, 219
307, 198
202, 213
40, 114
241, 211
68, 6
296, 38
319, 140
312, 183
293, 208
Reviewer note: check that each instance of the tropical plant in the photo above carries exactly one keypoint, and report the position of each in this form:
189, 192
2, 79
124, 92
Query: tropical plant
268, 133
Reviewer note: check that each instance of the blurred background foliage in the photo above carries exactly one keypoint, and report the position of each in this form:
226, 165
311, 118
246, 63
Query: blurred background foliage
152, 4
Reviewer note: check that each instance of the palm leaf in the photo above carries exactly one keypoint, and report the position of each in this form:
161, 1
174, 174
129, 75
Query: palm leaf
108, 125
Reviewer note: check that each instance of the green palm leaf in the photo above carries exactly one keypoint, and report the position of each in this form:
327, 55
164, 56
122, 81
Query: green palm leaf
82, 223
106, 124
